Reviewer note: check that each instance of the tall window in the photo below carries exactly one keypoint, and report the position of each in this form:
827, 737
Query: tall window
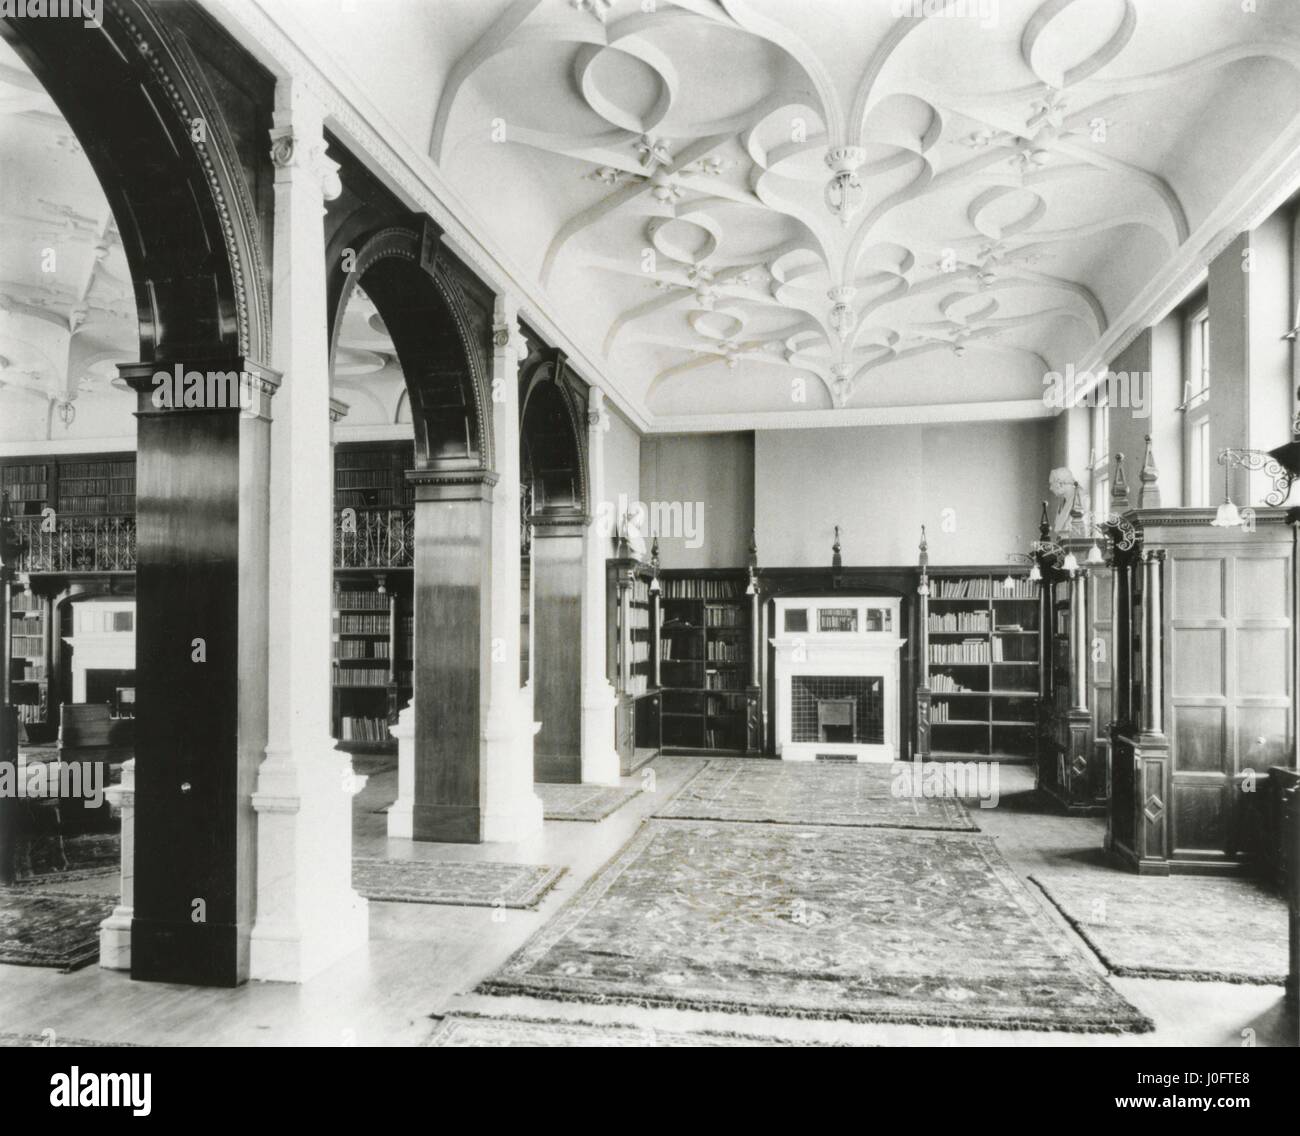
1198, 460
1198, 371
1200, 464
1099, 466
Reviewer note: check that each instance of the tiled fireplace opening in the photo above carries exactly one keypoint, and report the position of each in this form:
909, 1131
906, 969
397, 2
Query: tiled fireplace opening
837, 708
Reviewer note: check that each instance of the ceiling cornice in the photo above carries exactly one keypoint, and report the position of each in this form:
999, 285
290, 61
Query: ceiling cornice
288, 49
1024, 409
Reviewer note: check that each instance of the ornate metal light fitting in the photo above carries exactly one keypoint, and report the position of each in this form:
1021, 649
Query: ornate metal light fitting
844, 192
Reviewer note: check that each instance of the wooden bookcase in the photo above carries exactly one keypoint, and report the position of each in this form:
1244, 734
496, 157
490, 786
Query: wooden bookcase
373, 636
30, 649
983, 665
704, 663
84, 485
632, 619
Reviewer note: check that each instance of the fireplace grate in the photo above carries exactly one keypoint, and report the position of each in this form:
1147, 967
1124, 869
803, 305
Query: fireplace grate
837, 708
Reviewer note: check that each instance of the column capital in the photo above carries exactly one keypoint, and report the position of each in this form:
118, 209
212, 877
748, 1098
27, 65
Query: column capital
202, 385
338, 409
506, 334
452, 484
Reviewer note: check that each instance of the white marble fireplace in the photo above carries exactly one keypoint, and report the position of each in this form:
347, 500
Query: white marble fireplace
837, 677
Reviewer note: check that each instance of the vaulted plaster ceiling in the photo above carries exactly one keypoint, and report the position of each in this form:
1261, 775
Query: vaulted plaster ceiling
1017, 171
67, 311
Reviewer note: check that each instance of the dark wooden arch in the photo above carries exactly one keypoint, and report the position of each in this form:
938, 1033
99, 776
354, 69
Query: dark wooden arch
553, 436
132, 92
440, 339
172, 116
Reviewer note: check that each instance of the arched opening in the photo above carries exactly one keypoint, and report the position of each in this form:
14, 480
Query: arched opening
553, 470
182, 189
440, 342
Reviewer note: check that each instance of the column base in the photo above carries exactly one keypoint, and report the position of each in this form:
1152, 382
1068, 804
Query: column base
288, 954
115, 940
308, 916
517, 822
600, 761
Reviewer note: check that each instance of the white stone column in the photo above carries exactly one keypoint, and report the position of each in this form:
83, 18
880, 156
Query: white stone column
600, 764
511, 810
115, 931
308, 915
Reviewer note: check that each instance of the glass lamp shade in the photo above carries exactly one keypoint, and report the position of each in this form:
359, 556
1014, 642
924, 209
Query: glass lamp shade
1009, 582
1094, 554
1035, 573
1070, 563
1226, 516
654, 583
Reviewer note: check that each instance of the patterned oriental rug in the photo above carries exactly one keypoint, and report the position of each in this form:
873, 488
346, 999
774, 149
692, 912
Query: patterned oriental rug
465, 883
1176, 927
458, 1031
817, 922
783, 792
39, 928
582, 802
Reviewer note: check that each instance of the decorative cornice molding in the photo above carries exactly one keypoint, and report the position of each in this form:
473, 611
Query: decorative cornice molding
936, 414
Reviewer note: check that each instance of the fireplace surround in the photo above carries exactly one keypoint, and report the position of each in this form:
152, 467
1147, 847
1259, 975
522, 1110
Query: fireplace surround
837, 678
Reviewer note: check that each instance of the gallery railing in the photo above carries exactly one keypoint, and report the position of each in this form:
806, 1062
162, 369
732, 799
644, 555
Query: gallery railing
77, 544
374, 538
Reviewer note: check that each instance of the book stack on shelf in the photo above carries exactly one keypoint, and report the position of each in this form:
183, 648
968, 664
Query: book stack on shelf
983, 666
373, 477
640, 645
97, 488
27, 648
371, 671
28, 487
704, 646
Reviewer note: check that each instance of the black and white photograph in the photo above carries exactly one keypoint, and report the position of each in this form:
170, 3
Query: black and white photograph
649, 524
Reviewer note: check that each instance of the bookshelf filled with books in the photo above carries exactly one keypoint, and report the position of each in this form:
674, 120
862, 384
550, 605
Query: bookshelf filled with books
373, 635
704, 662
29, 648
983, 664
632, 622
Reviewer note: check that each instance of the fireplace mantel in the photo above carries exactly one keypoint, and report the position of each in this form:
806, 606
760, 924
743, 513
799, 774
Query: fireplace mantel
850, 638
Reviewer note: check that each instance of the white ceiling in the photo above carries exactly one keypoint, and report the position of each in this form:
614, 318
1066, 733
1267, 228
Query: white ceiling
67, 312
1023, 177
662, 175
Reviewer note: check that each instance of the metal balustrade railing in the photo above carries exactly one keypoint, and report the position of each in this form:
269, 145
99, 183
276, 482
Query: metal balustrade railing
374, 538
76, 544
368, 538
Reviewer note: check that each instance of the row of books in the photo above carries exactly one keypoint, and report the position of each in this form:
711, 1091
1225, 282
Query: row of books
361, 676
960, 621
94, 486
355, 624
724, 617
18, 493
700, 589
362, 601
640, 591
114, 503
638, 684
722, 680
939, 711
361, 649
82, 470
944, 683
28, 645
668, 649
966, 588
967, 651
32, 670
16, 474
638, 618
722, 651
717, 704
639, 651
352, 729
722, 739
27, 601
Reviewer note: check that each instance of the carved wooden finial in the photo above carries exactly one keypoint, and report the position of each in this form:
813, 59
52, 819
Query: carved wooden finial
1119, 487
836, 562
1149, 497
1044, 524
